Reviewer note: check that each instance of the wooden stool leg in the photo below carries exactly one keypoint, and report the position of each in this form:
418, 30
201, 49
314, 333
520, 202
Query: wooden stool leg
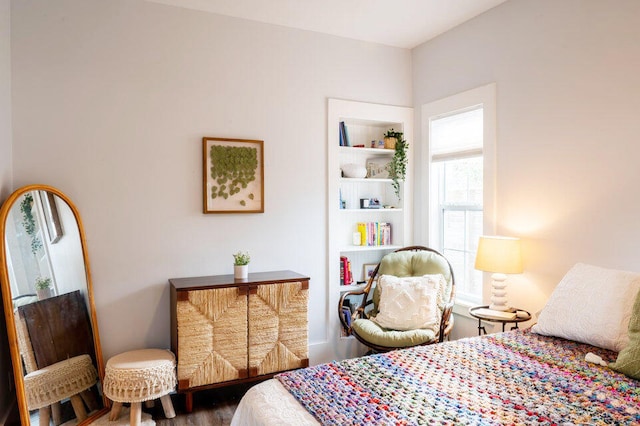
78, 407
89, 399
149, 403
167, 406
45, 415
56, 413
115, 411
136, 414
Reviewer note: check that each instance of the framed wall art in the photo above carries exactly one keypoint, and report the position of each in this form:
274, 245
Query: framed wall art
378, 168
51, 217
367, 270
233, 175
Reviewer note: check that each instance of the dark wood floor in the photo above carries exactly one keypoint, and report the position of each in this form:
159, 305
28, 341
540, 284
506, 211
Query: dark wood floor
214, 407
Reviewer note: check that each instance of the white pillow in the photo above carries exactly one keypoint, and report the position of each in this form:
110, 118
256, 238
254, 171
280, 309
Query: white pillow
409, 303
591, 305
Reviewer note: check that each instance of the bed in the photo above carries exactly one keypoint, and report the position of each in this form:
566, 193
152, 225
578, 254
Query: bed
519, 377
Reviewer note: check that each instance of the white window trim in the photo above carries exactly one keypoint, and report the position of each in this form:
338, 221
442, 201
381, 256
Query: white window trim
485, 96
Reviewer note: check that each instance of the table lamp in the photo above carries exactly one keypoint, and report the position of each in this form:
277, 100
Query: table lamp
500, 255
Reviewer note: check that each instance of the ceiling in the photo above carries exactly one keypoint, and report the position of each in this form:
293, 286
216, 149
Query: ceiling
400, 23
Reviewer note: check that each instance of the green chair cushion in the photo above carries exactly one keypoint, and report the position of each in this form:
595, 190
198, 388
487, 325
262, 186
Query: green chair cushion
628, 362
372, 332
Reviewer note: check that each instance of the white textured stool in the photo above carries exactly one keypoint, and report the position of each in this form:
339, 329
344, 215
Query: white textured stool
139, 376
55, 382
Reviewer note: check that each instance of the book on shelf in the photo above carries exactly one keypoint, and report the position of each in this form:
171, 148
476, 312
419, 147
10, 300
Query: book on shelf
374, 233
346, 312
348, 304
344, 134
346, 277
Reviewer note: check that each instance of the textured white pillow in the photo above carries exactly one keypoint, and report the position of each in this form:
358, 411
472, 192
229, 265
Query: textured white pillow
409, 303
591, 305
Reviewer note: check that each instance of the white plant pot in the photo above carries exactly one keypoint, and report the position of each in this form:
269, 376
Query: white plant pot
44, 293
240, 272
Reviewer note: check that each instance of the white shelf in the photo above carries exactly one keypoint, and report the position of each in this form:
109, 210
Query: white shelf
378, 151
350, 287
347, 249
365, 123
365, 211
364, 180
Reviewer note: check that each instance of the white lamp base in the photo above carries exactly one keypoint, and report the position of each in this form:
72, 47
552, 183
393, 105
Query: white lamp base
498, 292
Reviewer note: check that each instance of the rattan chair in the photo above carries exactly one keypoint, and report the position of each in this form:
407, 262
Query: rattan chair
404, 262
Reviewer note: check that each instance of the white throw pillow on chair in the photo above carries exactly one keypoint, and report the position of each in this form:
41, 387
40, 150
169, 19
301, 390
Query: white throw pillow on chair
409, 303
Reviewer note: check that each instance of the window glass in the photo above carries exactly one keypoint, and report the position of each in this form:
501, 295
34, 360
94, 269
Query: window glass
458, 188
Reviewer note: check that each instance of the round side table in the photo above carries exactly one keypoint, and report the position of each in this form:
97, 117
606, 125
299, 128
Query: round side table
477, 312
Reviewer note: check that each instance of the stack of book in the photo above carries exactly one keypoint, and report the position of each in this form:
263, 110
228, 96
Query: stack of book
346, 277
374, 233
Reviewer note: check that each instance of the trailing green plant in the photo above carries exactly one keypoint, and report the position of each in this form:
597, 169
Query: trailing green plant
29, 222
43, 283
241, 258
398, 165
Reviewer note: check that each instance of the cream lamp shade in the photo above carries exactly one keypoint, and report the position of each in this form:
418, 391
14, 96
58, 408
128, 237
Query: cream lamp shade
500, 255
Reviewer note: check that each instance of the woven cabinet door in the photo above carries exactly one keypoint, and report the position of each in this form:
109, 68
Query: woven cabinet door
278, 327
212, 336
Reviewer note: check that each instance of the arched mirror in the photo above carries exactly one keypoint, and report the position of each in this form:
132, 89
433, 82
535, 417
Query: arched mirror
49, 309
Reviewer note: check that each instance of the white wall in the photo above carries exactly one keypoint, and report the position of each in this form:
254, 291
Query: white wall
5, 99
6, 380
567, 148
111, 101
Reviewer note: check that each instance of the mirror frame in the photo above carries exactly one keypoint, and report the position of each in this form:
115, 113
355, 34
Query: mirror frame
18, 372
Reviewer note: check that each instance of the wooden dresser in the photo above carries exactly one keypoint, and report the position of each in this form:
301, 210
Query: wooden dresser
58, 328
226, 331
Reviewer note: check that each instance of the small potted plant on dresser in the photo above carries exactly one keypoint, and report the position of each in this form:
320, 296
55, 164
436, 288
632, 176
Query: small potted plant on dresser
241, 261
43, 288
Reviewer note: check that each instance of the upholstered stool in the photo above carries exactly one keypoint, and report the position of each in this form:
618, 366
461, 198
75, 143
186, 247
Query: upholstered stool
64, 379
139, 376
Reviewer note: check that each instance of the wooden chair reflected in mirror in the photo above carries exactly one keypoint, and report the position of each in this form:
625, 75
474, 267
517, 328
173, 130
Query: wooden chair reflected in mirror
53, 334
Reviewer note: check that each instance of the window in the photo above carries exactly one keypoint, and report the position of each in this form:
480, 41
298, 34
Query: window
456, 189
459, 182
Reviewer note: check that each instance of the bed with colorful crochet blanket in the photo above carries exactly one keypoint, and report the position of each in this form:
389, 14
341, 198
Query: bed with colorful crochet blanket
516, 377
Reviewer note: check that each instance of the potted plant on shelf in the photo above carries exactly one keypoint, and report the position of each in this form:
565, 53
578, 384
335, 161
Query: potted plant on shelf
398, 165
43, 288
241, 261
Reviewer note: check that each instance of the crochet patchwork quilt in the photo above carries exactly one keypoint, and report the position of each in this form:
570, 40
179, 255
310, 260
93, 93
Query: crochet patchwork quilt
514, 378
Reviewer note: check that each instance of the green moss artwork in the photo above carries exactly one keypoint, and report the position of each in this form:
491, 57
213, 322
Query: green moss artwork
232, 169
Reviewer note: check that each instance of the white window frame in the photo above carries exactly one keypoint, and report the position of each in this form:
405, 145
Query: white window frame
486, 97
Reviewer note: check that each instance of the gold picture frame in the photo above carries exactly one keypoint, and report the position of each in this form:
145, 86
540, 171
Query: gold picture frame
233, 175
367, 270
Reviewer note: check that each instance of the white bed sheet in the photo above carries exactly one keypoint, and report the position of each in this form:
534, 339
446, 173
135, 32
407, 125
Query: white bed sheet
270, 404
